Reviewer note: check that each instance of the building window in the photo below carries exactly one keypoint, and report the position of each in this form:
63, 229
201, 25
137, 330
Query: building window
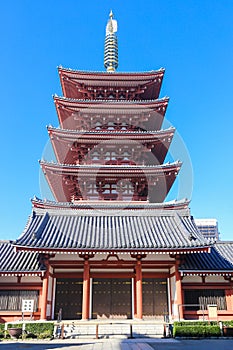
200, 299
11, 300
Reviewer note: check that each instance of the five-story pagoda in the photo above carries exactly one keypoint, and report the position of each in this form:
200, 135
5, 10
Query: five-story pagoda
110, 146
109, 245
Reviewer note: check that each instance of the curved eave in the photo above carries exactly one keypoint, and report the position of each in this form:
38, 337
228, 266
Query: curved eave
163, 231
65, 180
106, 75
157, 142
77, 104
206, 272
83, 85
80, 135
218, 262
90, 205
22, 273
17, 264
88, 169
84, 251
71, 111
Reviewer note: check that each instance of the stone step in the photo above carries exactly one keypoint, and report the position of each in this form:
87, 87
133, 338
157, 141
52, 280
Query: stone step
112, 330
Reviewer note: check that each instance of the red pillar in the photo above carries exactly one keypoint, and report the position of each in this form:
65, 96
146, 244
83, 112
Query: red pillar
139, 289
44, 295
229, 299
86, 290
179, 294
135, 297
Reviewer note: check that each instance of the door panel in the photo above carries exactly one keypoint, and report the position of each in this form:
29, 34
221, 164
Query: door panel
154, 297
112, 298
69, 298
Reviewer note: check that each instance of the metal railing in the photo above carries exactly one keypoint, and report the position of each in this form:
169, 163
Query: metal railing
59, 315
201, 308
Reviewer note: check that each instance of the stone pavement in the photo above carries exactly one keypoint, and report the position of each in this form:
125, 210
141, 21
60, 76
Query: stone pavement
120, 344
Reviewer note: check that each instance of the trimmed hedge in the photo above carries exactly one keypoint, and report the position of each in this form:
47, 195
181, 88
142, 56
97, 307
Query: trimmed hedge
38, 330
2, 327
14, 325
196, 323
228, 323
196, 329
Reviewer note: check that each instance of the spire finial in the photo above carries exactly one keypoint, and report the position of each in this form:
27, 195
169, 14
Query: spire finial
111, 45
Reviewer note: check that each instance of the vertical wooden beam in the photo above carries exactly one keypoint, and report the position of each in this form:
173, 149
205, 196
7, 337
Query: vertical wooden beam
169, 297
135, 297
44, 295
138, 276
179, 293
229, 299
86, 290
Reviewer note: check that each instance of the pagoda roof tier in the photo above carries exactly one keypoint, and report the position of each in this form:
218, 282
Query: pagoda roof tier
114, 85
111, 205
83, 114
80, 182
70, 145
93, 231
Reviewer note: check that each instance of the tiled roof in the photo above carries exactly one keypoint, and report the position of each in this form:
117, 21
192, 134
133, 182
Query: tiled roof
12, 262
104, 230
105, 103
76, 84
112, 205
100, 73
220, 258
114, 168
151, 135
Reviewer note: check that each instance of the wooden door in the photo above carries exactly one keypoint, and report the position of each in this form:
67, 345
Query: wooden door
112, 298
154, 297
69, 298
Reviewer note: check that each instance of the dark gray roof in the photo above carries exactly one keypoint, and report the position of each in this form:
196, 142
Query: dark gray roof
104, 230
220, 258
17, 262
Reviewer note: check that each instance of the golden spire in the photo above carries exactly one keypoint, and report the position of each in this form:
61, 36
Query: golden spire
111, 45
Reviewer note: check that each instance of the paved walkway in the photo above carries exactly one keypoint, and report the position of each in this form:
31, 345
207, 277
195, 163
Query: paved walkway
120, 344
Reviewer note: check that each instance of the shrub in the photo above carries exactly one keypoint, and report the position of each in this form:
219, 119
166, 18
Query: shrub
228, 323
2, 327
14, 325
39, 330
196, 330
196, 323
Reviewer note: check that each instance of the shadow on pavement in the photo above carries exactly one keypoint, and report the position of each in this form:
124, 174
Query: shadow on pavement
42, 346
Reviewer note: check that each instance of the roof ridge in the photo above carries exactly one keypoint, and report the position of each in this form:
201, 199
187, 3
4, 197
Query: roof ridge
60, 67
93, 166
136, 132
136, 205
114, 101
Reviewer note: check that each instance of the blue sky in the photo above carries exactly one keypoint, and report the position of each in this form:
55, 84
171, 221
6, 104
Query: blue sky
192, 39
